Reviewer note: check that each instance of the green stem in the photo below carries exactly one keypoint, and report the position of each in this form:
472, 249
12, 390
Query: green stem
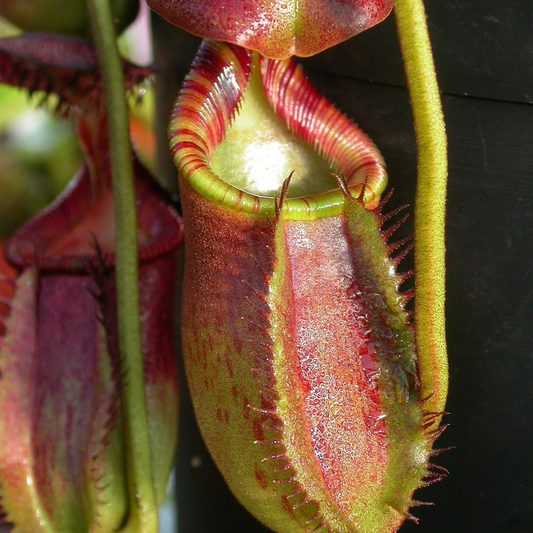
143, 508
430, 201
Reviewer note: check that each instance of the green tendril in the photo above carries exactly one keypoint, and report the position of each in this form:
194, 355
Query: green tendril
430, 201
143, 509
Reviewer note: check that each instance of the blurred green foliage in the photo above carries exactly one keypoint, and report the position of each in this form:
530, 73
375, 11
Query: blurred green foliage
38, 155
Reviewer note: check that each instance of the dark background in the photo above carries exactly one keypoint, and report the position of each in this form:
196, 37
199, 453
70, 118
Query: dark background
484, 58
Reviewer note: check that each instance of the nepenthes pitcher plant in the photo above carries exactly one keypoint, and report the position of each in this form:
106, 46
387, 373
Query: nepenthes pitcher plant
318, 390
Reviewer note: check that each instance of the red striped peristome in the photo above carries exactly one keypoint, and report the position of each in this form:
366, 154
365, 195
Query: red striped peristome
208, 102
210, 98
298, 349
62, 450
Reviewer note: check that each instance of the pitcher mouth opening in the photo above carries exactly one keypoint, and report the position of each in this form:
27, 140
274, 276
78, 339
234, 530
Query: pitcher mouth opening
243, 123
